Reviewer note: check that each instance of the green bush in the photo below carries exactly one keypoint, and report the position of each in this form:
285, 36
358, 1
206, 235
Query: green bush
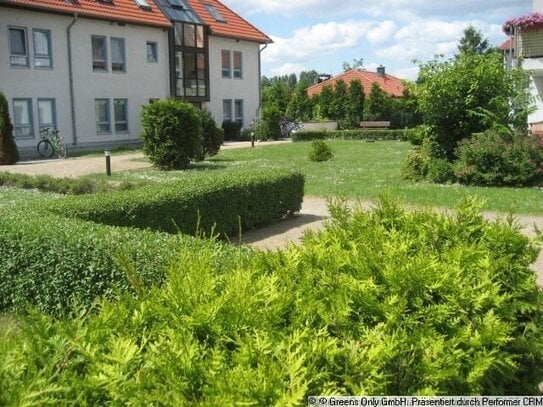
320, 151
232, 130
418, 134
499, 158
269, 126
212, 136
48, 260
224, 202
361, 134
386, 302
171, 133
440, 171
9, 154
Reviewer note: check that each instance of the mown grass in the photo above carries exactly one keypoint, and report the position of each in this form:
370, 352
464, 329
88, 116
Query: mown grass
359, 170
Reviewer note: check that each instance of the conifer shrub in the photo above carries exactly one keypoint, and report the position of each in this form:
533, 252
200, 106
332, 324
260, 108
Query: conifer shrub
171, 134
212, 136
384, 302
9, 154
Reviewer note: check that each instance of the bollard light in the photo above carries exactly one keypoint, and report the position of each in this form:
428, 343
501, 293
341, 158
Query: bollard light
107, 154
252, 139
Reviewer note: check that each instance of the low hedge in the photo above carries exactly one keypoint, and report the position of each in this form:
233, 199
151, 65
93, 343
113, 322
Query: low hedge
223, 203
46, 260
362, 134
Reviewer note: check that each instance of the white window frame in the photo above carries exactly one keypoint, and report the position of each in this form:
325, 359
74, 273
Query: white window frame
103, 62
41, 124
237, 72
121, 122
13, 57
18, 126
121, 62
102, 122
46, 57
227, 110
226, 70
153, 45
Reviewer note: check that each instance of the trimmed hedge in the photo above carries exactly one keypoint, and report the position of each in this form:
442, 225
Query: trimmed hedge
46, 260
365, 134
222, 202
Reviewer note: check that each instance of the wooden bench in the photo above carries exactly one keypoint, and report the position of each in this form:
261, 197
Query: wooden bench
375, 124
536, 130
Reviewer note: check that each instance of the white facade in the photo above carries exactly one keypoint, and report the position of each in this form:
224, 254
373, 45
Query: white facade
244, 89
75, 112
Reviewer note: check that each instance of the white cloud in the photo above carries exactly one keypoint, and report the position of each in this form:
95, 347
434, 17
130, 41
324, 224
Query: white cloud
289, 68
382, 32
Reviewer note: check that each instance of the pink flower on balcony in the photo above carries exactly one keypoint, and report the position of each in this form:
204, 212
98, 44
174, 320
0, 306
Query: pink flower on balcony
532, 20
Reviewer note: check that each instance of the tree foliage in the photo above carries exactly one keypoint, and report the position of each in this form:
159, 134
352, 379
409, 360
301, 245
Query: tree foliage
473, 42
9, 154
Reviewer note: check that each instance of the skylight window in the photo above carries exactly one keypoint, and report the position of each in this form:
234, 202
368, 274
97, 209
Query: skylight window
143, 4
177, 4
215, 13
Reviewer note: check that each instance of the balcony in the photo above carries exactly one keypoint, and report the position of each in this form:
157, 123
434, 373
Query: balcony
530, 43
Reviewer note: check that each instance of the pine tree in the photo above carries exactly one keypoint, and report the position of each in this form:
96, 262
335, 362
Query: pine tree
355, 105
9, 154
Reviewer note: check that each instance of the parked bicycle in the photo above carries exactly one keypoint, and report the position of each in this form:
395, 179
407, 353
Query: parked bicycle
51, 144
289, 126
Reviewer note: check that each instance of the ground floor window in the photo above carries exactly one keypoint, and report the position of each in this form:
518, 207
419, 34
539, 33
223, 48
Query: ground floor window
227, 110
120, 111
23, 125
238, 111
46, 114
103, 123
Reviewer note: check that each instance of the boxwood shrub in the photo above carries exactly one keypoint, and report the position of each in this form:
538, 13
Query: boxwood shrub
222, 202
361, 134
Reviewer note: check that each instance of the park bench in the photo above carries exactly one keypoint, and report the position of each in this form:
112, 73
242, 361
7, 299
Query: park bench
536, 130
375, 124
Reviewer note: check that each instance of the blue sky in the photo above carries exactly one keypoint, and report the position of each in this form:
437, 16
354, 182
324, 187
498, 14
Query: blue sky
322, 34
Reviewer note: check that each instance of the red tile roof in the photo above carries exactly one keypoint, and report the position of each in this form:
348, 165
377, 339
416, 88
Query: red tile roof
507, 45
234, 27
125, 11
390, 84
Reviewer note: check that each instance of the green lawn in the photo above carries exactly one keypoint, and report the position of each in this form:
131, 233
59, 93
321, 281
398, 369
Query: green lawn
359, 170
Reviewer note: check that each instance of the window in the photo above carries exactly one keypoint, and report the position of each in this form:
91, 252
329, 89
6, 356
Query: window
120, 112
42, 49
118, 63
99, 53
22, 118
102, 116
152, 52
18, 50
238, 111
227, 110
191, 64
214, 13
143, 4
237, 65
46, 114
226, 65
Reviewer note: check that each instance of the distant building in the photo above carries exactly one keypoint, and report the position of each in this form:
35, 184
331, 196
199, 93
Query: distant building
391, 85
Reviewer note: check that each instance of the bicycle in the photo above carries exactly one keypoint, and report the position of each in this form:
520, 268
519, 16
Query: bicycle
289, 126
50, 144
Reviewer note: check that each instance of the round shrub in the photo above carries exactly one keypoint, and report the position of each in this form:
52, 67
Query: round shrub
212, 136
499, 158
9, 154
269, 127
171, 133
320, 151
440, 170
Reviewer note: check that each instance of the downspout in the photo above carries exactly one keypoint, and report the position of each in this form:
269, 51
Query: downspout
260, 79
71, 79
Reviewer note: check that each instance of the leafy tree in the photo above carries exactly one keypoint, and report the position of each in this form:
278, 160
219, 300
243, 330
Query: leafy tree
355, 105
9, 154
357, 64
339, 103
300, 106
473, 42
454, 94
308, 78
378, 104
278, 95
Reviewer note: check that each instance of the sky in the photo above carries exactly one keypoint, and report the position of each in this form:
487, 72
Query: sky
323, 34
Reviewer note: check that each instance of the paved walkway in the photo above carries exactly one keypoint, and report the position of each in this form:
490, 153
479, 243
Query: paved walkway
312, 216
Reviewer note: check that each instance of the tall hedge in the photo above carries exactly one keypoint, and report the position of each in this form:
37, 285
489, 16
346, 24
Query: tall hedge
9, 154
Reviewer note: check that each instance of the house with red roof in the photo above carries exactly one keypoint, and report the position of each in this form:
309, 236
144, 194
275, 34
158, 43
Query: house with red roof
86, 67
391, 85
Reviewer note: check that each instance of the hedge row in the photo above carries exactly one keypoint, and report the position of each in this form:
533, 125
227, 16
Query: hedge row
364, 134
224, 203
46, 259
